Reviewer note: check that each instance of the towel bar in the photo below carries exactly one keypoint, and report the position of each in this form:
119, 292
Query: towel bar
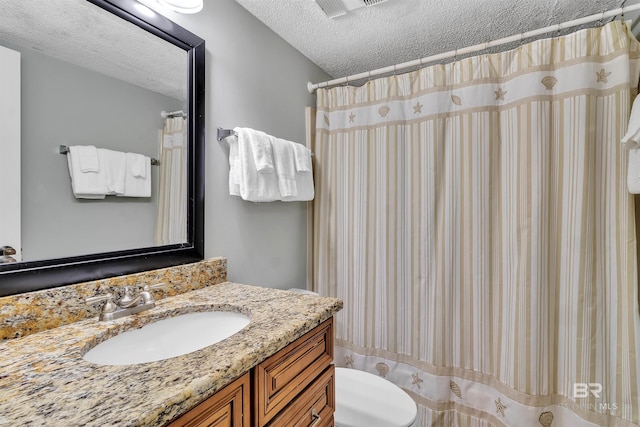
64, 150
223, 133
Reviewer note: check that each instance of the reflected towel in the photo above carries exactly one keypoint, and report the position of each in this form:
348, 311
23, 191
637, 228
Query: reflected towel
137, 164
87, 156
137, 186
114, 164
85, 185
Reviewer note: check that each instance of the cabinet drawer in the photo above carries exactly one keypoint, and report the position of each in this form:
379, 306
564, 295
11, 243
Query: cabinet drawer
280, 378
314, 407
229, 407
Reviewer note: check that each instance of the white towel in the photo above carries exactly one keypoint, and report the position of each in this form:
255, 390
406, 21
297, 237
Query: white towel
304, 185
260, 148
632, 138
633, 171
234, 166
283, 159
114, 164
137, 185
86, 185
87, 156
302, 158
254, 186
137, 164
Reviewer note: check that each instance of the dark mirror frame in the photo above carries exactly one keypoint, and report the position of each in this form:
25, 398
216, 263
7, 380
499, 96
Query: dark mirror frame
29, 276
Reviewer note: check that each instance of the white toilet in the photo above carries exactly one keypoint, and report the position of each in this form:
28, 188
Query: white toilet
367, 400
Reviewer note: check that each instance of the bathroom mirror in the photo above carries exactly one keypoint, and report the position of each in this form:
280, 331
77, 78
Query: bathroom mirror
135, 51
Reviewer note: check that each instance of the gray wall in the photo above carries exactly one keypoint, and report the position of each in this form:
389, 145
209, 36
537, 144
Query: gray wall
68, 105
254, 79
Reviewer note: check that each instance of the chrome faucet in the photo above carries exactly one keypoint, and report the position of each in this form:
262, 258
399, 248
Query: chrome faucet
128, 304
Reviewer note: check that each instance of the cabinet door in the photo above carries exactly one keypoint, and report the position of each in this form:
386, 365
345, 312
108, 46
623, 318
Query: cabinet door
229, 407
280, 378
314, 407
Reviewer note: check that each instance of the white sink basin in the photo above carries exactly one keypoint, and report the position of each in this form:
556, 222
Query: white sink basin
167, 338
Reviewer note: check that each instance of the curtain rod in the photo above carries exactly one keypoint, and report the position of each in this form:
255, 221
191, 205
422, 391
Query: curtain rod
311, 87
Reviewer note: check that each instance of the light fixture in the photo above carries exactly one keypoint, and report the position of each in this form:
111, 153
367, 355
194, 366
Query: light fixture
183, 6
337, 8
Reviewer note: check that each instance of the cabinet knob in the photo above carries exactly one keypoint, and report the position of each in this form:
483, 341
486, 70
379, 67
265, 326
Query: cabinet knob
6, 259
315, 417
7, 250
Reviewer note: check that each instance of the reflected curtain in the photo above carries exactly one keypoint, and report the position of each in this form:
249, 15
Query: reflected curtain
171, 219
475, 220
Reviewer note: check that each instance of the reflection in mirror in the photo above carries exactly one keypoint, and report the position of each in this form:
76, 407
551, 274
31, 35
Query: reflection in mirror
90, 79
100, 73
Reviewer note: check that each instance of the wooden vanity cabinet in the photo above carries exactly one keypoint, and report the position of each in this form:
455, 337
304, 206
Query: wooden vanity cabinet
229, 407
295, 387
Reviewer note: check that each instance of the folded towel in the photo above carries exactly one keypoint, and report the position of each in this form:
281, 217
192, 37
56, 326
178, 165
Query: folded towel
304, 185
115, 165
283, 158
87, 156
633, 171
260, 148
137, 164
254, 186
137, 186
632, 138
302, 158
86, 185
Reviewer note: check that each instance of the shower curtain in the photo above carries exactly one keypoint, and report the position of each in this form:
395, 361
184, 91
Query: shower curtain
171, 221
475, 220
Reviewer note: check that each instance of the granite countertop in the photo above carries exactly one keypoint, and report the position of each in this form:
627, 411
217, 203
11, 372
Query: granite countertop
45, 381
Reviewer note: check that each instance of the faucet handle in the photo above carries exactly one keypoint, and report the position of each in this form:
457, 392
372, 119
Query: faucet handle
109, 305
156, 286
146, 294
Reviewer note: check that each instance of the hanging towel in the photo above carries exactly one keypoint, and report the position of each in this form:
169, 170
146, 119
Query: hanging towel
254, 186
633, 171
302, 158
283, 158
86, 185
137, 184
632, 138
87, 156
260, 148
137, 164
115, 164
234, 166
303, 175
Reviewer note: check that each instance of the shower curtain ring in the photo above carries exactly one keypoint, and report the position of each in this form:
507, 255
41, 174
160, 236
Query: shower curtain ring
601, 20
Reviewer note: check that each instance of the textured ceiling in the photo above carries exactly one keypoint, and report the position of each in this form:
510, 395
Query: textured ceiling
402, 30
81, 33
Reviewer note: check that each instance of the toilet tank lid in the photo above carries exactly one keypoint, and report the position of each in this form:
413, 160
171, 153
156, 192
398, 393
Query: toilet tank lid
303, 291
364, 399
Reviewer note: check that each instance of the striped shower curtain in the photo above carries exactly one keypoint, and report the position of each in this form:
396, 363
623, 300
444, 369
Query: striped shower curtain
475, 220
171, 218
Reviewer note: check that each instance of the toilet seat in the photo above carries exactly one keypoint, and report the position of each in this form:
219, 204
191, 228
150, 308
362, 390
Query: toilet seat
367, 400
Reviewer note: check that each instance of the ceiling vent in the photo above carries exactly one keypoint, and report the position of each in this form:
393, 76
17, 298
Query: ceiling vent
336, 8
